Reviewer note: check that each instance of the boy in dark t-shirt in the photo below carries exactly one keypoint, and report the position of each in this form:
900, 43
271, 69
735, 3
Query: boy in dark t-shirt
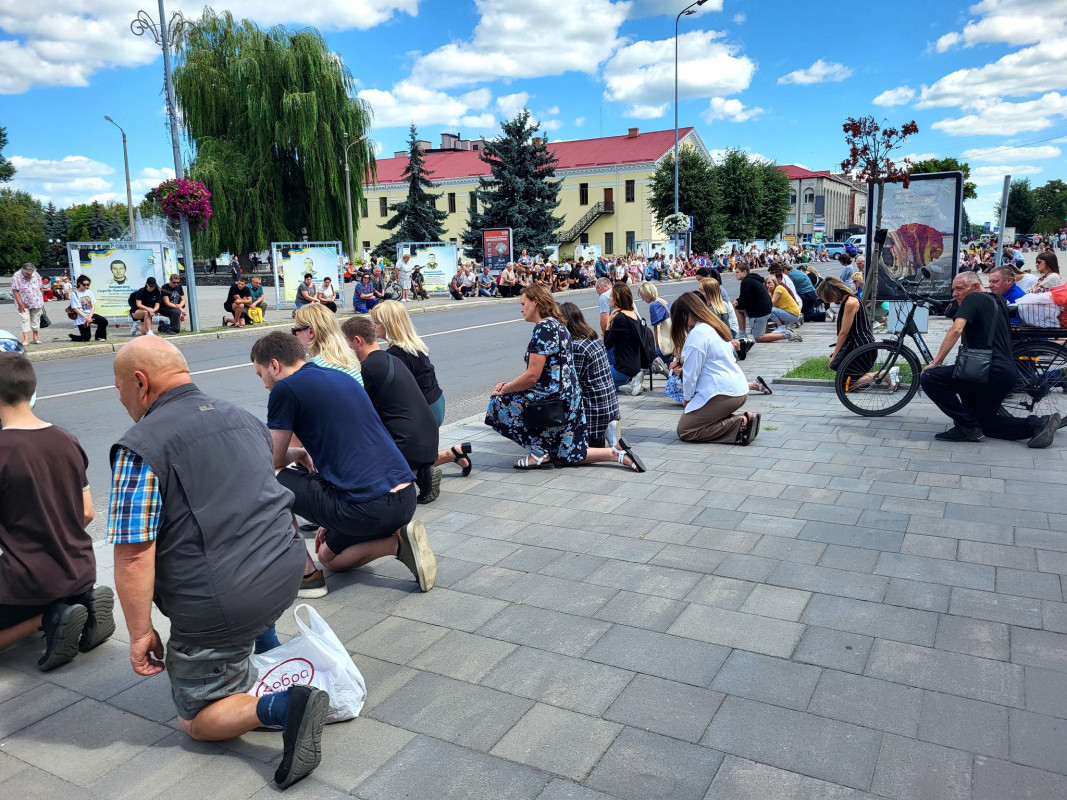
47, 566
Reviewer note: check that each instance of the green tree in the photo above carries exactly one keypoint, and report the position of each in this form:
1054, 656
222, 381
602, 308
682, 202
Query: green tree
770, 219
699, 196
947, 165
265, 111
7, 169
520, 194
57, 226
742, 196
22, 234
1050, 206
1022, 211
416, 219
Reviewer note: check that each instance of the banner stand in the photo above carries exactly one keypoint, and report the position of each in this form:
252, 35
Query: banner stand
436, 260
116, 269
292, 260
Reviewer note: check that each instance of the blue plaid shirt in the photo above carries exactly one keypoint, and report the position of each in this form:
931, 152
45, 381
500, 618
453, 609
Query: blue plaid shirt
135, 509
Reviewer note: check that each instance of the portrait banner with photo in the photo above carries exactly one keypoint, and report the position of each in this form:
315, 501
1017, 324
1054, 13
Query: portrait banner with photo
436, 260
116, 271
293, 260
922, 224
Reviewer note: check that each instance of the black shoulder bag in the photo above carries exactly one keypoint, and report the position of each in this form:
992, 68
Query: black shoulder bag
973, 363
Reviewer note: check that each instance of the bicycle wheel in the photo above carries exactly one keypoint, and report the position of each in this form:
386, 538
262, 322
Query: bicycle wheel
875, 380
1042, 380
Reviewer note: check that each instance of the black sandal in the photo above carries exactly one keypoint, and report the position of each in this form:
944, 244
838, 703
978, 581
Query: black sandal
763, 385
750, 429
463, 455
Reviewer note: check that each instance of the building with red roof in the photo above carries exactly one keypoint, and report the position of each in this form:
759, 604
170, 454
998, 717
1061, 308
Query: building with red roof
823, 205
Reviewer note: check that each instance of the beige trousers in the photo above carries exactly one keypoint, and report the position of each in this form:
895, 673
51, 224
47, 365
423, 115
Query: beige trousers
714, 421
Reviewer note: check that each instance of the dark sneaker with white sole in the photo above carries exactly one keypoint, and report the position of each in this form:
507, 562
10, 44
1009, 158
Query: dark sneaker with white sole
415, 553
1046, 432
428, 481
302, 734
62, 625
312, 586
958, 434
100, 625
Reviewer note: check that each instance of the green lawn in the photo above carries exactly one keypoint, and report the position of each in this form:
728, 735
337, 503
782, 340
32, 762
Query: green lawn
817, 368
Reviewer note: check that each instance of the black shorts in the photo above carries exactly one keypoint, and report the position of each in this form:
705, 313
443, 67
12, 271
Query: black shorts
12, 615
347, 523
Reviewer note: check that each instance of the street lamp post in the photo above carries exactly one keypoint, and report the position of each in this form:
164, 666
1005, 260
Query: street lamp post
688, 10
141, 25
129, 191
348, 201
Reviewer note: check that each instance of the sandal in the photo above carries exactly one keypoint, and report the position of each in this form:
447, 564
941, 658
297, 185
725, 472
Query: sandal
763, 385
533, 462
622, 450
750, 429
462, 455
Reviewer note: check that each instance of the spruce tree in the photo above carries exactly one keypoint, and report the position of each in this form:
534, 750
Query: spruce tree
57, 226
521, 194
416, 219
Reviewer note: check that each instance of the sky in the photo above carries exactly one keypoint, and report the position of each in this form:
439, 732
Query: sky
986, 83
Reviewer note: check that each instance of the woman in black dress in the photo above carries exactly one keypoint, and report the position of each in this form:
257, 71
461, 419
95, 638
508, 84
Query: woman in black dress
853, 328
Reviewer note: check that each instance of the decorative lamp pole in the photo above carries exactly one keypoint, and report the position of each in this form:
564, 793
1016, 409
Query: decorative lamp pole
348, 201
141, 25
129, 192
685, 12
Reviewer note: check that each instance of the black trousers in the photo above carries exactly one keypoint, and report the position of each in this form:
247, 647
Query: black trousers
173, 317
977, 405
101, 329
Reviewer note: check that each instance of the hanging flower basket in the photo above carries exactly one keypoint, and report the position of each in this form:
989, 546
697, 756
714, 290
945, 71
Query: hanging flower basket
675, 223
191, 198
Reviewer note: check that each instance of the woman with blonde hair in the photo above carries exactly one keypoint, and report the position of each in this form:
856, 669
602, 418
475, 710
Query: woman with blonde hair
317, 329
659, 314
711, 290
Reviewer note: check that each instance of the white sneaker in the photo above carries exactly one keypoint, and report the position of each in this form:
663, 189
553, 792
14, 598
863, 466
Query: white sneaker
134, 328
894, 378
637, 385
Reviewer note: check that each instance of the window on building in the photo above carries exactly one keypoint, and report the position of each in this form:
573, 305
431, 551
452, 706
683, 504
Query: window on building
631, 241
609, 243
383, 207
809, 196
809, 219
790, 219
583, 239
583, 194
364, 208
473, 201
451, 202
631, 191
452, 240
792, 198
366, 245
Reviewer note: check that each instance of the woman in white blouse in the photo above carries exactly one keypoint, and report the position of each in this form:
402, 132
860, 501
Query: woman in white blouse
1048, 270
713, 386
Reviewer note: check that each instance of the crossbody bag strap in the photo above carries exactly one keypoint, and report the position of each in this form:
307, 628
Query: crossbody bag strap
992, 328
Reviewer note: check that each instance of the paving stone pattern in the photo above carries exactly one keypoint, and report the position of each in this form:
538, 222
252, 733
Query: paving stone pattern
845, 609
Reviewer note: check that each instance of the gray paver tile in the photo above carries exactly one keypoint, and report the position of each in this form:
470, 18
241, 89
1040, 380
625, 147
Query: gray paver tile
1039, 649
468, 715
167, 762
853, 559
964, 724
998, 555
311, 788
544, 629
382, 678
1052, 561
1002, 780
829, 581
641, 610
918, 595
777, 602
35, 784
953, 673
1038, 741
33, 705
822, 748
916, 544
575, 684
797, 551
912, 770
85, 740
430, 768
720, 592
529, 558
645, 578
869, 538
620, 548
1054, 616
558, 741
783, 527
872, 703
449, 608
99, 674
826, 647
694, 559
642, 766
972, 636
151, 699
871, 619
1045, 692
353, 751
935, 570
488, 581
1028, 583
1040, 538
573, 566
661, 654
667, 707
561, 789
772, 637
463, 656
745, 567
741, 779
396, 639
770, 680
10, 766
996, 607
558, 594
14, 682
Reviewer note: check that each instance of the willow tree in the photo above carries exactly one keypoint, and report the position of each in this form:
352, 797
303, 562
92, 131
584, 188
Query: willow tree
265, 112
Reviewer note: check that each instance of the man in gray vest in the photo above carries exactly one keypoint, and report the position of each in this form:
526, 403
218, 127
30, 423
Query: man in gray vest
221, 569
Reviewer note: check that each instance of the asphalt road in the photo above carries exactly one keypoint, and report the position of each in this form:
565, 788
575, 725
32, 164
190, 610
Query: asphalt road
472, 350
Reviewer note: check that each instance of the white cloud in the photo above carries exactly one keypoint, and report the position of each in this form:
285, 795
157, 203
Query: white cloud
718, 153
819, 72
900, 96
531, 39
65, 42
739, 19
640, 9
552, 111
913, 157
1015, 22
150, 178
642, 73
998, 117
510, 104
1005, 153
988, 176
407, 102
732, 110
551, 124
579, 122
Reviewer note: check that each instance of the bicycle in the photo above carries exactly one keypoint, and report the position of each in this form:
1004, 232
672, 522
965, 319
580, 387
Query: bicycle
880, 378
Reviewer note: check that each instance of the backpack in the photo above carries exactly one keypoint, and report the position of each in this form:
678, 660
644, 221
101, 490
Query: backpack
648, 345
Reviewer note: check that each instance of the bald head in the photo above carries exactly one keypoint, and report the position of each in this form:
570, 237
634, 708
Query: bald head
145, 369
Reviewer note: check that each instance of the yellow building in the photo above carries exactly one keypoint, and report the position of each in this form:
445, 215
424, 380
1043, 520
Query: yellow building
603, 199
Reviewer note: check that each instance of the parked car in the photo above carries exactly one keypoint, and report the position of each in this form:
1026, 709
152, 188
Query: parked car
855, 244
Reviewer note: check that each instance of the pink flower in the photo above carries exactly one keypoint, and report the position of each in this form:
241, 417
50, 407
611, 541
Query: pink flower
184, 197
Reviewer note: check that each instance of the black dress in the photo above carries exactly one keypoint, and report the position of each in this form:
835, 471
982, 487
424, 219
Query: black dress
858, 335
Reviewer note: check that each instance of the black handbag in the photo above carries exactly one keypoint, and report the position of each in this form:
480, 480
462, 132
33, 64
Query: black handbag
842, 353
45, 321
973, 363
538, 415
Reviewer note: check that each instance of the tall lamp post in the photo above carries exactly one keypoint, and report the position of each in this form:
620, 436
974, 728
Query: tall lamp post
141, 25
348, 200
129, 192
685, 12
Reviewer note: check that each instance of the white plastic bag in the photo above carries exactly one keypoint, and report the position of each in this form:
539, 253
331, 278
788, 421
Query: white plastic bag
1039, 310
314, 658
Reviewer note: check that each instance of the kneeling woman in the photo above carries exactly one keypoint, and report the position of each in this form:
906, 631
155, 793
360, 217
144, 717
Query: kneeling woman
713, 386
549, 376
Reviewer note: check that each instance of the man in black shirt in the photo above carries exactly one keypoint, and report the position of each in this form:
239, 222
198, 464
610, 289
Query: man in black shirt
753, 306
238, 299
974, 407
173, 306
144, 303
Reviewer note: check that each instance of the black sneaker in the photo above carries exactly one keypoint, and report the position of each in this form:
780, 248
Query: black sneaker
100, 625
313, 586
744, 344
62, 625
415, 553
958, 434
428, 481
302, 734
1046, 432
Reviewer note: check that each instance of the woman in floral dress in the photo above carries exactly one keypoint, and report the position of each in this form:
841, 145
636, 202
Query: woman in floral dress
549, 374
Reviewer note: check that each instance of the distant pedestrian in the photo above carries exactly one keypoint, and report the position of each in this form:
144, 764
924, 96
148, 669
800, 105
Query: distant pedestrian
29, 299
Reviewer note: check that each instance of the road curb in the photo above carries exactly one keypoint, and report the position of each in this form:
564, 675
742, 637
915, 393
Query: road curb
815, 382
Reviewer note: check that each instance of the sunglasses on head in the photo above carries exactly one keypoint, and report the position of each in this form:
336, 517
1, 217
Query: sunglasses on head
300, 330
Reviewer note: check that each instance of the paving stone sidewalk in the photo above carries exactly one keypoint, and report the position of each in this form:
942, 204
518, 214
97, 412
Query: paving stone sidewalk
845, 609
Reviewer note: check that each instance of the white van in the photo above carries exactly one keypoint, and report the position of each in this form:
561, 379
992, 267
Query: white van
859, 241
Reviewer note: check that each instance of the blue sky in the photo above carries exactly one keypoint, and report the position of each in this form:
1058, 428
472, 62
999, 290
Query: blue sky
987, 83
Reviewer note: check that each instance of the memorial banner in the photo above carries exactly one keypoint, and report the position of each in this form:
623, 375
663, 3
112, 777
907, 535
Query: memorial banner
496, 248
293, 260
436, 261
116, 271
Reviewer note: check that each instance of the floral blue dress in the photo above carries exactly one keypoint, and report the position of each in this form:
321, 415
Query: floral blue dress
567, 443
